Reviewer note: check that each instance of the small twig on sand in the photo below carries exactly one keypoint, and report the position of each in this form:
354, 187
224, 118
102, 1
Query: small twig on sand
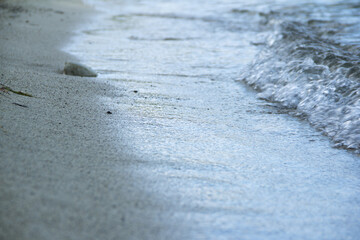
7, 89
20, 105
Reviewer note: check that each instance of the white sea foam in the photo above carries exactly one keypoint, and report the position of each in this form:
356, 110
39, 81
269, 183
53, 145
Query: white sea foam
303, 67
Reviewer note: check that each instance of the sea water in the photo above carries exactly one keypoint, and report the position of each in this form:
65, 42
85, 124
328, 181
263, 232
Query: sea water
226, 104
308, 52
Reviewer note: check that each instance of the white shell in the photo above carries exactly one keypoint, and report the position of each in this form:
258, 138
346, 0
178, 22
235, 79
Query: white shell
77, 69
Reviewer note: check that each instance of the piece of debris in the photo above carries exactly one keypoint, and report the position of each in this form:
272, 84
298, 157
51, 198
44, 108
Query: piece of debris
20, 105
2, 128
108, 112
77, 69
7, 89
135, 91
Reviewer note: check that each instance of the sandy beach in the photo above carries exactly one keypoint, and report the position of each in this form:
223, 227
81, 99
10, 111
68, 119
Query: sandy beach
168, 146
59, 171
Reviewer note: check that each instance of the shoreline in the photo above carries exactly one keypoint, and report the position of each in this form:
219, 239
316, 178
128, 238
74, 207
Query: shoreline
67, 170
169, 162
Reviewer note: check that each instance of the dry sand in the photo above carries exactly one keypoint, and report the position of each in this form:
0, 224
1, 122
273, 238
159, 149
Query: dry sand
60, 175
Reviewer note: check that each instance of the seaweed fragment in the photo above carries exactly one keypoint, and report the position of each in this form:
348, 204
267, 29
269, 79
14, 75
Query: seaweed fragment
7, 89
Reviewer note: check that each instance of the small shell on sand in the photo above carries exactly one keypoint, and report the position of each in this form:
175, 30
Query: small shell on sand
77, 69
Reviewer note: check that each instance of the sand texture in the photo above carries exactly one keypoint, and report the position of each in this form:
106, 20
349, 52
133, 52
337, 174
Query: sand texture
152, 154
60, 176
